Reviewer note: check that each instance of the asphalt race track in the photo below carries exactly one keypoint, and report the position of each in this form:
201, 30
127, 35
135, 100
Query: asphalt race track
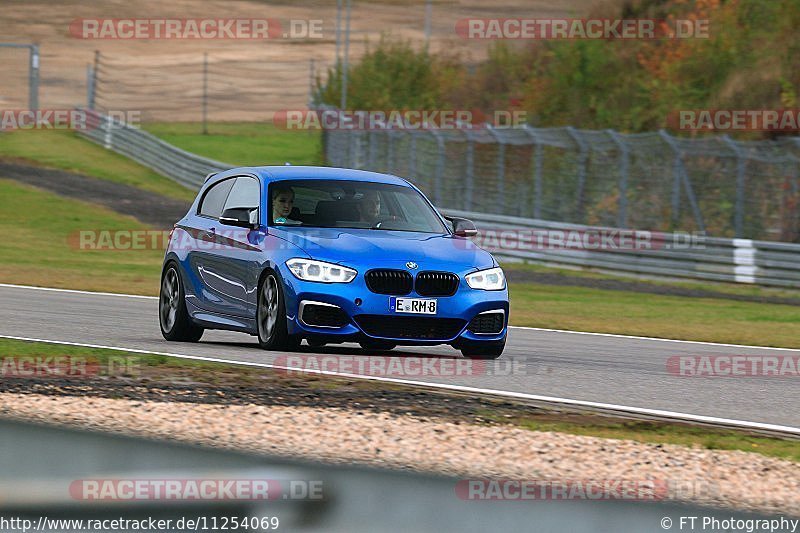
617, 370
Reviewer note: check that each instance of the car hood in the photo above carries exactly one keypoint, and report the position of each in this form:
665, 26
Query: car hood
387, 248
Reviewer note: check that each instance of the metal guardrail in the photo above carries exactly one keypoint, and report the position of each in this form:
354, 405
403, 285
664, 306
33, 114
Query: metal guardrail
354, 499
716, 259
184, 167
668, 255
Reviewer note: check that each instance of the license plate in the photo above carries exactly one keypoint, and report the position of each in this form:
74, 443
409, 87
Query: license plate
422, 306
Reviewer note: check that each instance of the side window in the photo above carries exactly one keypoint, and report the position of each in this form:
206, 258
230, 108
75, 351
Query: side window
244, 194
214, 199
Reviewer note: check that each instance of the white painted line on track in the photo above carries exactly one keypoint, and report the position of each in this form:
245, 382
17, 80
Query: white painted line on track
744, 424
73, 291
547, 330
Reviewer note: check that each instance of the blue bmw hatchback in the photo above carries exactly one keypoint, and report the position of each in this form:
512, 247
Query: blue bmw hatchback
329, 255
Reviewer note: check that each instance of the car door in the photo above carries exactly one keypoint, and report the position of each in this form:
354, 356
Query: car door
229, 268
201, 240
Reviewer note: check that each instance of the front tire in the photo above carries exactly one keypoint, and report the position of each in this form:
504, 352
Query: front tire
271, 323
173, 317
483, 350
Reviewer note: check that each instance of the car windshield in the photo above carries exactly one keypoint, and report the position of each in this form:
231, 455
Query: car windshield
351, 204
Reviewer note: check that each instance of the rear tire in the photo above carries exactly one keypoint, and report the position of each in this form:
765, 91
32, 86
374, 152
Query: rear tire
173, 317
483, 350
271, 323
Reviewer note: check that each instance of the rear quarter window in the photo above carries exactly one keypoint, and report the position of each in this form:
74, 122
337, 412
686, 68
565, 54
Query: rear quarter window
214, 198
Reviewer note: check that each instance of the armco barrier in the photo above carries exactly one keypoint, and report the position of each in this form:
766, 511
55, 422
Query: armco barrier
732, 260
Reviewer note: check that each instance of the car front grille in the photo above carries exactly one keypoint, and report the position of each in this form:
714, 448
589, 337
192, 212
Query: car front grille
436, 284
385, 281
324, 316
410, 327
487, 323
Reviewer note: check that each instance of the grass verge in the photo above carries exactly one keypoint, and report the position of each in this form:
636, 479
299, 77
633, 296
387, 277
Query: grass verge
245, 143
649, 315
66, 150
37, 248
153, 376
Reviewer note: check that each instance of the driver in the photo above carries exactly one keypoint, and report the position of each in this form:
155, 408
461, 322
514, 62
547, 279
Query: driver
369, 208
282, 203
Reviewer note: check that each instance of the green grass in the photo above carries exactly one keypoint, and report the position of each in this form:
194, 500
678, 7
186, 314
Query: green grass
246, 144
68, 151
631, 313
739, 289
40, 246
166, 368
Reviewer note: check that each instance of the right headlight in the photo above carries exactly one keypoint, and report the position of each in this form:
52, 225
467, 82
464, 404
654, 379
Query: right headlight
491, 279
311, 270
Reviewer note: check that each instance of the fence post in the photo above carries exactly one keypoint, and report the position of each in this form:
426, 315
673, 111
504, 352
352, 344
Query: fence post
582, 161
412, 154
108, 140
311, 98
437, 178
370, 148
389, 150
95, 75
738, 217
622, 206
676, 177
501, 169
470, 173
536, 165
681, 176
33, 78
345, 66
205, 93
89, 87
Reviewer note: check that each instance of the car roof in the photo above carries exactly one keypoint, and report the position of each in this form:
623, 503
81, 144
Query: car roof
291, 172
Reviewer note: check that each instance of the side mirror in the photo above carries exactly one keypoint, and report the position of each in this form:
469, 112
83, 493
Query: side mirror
238, 216
463, 227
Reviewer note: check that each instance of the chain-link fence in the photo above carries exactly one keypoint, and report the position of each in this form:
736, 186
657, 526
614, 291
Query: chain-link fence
200, 86
21, 70
649, 181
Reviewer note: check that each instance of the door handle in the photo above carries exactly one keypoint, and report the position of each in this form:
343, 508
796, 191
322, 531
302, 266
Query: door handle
212, 232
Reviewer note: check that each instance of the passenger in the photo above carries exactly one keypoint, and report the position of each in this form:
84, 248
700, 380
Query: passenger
369, 208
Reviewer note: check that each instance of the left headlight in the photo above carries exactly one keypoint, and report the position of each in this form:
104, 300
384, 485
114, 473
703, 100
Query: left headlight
310, 270
491, 279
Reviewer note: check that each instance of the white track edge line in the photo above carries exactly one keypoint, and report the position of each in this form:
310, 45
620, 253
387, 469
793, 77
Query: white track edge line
548, 330
74, 291
459, 388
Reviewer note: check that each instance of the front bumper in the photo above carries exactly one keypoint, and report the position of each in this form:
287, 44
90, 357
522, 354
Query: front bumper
356, 299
